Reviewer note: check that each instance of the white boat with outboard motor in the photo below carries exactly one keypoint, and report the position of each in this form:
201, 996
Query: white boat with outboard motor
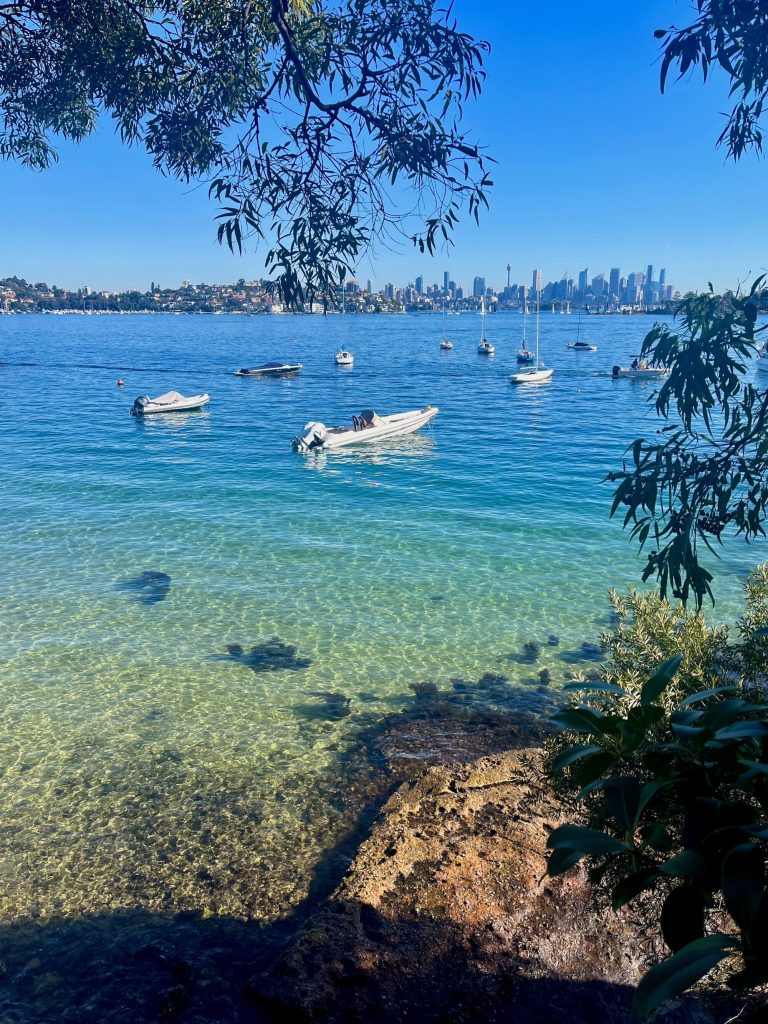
366, 427
274, 369
344, 358
762, 359
171, 401
641, 371
446, 345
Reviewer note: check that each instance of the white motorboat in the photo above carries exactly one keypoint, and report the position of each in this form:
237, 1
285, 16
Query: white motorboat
445, 344
171, 401
762, 359
640, 372
537, 372
273, 369
344, 358
366, 427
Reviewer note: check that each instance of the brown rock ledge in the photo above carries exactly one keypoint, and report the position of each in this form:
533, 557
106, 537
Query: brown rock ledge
445, 916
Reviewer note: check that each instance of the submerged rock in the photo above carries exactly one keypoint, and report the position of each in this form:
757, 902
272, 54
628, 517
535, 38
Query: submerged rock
149, 588
545, 677
553, 640
426, 692
269, 656
336, 704
531, 650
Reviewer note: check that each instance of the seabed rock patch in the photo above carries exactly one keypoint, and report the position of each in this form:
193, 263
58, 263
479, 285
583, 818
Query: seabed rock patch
272, 655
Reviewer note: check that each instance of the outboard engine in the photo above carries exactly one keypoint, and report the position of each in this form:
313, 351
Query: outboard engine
314, 437
615, 371
139, 404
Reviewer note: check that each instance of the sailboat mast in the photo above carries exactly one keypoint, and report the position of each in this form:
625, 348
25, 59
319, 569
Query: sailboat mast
538, 310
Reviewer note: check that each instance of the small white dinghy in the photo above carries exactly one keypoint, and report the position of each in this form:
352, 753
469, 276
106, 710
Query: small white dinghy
762, 359
640, 372
366, 427
446, 345
171, 401
344, 358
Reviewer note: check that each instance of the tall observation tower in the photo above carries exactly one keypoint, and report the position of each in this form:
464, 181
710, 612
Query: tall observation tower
509, 270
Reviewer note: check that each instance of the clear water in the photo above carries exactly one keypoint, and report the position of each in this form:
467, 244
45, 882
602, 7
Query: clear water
140, 763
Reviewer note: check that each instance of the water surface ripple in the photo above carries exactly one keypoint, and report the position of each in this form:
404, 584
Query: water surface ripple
143, 760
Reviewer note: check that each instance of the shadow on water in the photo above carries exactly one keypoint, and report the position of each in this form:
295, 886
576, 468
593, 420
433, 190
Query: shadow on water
150, 587
273, 655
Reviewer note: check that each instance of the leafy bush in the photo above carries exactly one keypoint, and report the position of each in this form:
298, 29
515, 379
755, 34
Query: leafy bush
672, 776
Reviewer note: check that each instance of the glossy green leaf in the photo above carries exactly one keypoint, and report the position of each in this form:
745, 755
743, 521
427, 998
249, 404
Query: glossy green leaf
588, 840
660, 680
674, 976
743, 882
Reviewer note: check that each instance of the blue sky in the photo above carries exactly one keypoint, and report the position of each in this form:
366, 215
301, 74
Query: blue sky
595, 169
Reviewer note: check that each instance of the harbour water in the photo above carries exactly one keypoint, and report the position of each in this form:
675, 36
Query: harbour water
147, 756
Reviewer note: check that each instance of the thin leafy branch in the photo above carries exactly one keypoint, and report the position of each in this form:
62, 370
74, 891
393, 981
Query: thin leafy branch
322, 128
705, 472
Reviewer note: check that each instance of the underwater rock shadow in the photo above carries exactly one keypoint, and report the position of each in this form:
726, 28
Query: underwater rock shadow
587, 652
272, 655
149, 588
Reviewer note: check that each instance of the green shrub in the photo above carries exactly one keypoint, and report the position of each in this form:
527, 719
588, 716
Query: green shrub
671, 773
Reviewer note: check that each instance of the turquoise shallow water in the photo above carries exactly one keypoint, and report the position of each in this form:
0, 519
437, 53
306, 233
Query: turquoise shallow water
142, 764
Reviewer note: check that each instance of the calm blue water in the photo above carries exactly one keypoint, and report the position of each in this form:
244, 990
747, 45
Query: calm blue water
136, 752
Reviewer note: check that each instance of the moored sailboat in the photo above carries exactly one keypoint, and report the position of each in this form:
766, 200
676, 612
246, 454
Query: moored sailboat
484, 348
536, 373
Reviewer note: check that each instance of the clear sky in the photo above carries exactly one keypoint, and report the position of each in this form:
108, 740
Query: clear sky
595, 169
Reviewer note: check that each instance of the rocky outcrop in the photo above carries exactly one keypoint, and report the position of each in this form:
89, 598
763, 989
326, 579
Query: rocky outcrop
446, 916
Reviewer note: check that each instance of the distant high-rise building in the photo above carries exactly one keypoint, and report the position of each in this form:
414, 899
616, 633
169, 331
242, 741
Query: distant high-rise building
445, 281
583, 275
662, 279
369, 286
536, 285
648, 290
509, 271
614, 283
478, 287
598, 286
420, 285
452, 288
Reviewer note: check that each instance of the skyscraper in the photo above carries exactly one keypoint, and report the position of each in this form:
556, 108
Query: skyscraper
536, 286
614, 285
478, 287
420, 285
583, 275
445, 280
662, 279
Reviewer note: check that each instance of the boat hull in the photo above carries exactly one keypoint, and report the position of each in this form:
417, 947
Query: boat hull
188, 405
532, 376
269, 371
391, 426
649, 373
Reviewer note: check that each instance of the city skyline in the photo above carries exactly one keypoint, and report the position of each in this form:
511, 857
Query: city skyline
602, 166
